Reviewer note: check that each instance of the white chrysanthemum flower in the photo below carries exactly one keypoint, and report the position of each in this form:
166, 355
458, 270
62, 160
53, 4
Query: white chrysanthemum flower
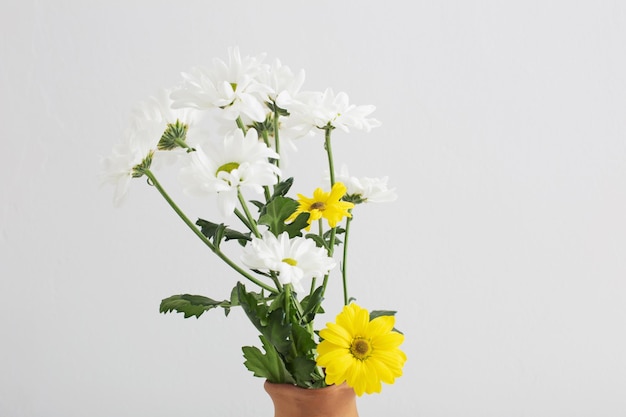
149, 120
152, 116
320, 109
282, 81
294, 260
241, 162
231, 86
118, 168
365, 189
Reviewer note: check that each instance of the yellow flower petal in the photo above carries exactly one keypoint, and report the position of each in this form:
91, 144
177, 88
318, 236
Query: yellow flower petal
381, 325
388, 341
338, 191
325, 205
336, 334
339, 359
361, 352
354, 319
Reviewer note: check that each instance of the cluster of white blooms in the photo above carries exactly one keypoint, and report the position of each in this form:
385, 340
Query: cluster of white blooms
250, 95
148, 122
239, 89
232, 86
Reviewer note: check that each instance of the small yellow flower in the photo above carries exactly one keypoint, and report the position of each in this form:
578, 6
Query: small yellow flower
361, 352
324, 205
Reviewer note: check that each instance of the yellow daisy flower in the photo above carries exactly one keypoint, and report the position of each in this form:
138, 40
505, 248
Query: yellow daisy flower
361, 352
324, 204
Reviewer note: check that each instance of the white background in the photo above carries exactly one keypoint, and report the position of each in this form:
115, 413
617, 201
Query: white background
504, 131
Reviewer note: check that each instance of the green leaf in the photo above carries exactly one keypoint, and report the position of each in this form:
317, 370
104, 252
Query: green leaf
324, 241
295, 228
378, 313
272, 324
220, 231
303, 341
191, 305
282, 188
217, 232
257, 312
278, 331
277, 211
234, 296
311, 305
338, 231
268, 365
278, 303
319, 241
303, 370
259, 205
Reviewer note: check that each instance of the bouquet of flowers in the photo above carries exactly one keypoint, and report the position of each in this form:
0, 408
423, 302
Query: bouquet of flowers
288, 245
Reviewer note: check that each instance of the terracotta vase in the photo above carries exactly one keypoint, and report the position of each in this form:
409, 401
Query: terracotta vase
292, 401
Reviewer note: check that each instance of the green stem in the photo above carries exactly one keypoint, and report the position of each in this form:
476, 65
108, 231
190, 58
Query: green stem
287, 289
324, 284
344, 274
243, 219
240, 125
203, 238
251, 220
329, 152
320, 228
331, 243
276, 139
183, 144
288, 297
266, 139
277, 283
331, 169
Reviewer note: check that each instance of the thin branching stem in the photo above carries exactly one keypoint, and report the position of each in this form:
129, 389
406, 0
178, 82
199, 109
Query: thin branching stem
243, 219
276, 138
329, 153
251, 221
154, 182
344, 263
331, 168
241, 126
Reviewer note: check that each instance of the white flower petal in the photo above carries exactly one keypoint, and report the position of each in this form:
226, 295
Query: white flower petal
231, 87
306, 260
370, 190
241, 162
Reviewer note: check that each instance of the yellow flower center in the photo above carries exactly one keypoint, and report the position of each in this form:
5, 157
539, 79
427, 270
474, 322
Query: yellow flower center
318, 205
228, 167
290, 261
360, 348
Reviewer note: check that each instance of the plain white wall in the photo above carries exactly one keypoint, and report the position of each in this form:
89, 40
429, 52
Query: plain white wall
503, 130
